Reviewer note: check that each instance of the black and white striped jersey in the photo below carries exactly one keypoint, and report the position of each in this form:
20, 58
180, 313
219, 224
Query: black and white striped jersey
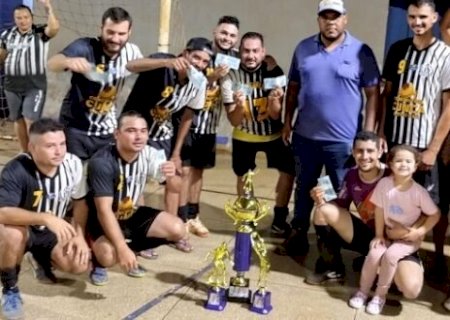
22, 185
110, 176
158, 94
418, 79
256, 121
206, 121
91, 106
26, 59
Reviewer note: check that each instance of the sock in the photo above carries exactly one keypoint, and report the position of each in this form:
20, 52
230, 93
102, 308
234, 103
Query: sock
328, 246
193, 210
280, 214
9, 278
183, 212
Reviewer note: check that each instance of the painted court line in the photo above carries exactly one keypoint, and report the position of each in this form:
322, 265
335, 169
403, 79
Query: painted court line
147, 306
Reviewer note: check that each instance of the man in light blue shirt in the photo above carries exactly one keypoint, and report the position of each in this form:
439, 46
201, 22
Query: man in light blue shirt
328, 75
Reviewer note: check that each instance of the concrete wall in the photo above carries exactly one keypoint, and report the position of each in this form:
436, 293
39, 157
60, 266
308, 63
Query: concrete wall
282, 22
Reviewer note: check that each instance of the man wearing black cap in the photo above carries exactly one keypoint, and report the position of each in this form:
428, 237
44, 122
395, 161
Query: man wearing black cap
166, 85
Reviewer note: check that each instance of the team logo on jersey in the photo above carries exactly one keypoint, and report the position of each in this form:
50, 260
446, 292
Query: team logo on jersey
406, 103
212, 98
160, 114
103, 102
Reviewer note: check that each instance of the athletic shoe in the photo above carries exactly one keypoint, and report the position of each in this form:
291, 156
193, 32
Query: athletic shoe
196, 226
12, 304
99, 276
39, 273
358, 300
280, 227
329, 276
375, 306
138, 272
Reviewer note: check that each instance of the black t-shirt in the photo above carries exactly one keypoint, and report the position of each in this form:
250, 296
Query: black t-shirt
110, 176
23, 185
158, 94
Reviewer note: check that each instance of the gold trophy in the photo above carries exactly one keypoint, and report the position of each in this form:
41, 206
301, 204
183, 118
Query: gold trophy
217, 278
246, 211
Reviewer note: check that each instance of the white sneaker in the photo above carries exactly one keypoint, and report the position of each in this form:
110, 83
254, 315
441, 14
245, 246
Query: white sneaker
358, 300
196, 226
375, 306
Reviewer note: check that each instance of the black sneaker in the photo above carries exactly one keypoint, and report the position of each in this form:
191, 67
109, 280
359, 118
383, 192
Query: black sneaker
329, 276
280, 228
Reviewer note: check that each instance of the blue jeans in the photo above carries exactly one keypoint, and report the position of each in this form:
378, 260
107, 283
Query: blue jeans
310, 157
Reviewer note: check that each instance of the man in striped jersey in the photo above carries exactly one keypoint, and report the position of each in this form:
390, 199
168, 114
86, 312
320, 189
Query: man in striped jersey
117, 176
98, 67
416, 103
199, 150
256, 118
24, 49
35, 191
177, 86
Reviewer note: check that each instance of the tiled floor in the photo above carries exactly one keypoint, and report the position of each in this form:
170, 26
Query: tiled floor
175, 288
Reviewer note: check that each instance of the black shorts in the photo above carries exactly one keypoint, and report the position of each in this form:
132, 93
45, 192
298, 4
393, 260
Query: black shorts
279, 156
199, 151
41, 243
134, 229
363, 235
85, 146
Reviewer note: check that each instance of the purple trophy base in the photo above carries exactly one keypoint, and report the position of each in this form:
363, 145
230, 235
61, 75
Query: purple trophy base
217, 299
261, 302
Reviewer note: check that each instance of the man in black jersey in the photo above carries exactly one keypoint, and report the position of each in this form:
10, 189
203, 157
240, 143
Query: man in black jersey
98, 67
199, 150
255, 114
416, 104
35, 191
119, 223
169, 85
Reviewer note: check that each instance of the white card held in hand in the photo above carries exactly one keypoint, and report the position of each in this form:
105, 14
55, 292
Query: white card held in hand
229, 61
197, 78
327, 187
158, 159
272, 83
246, 89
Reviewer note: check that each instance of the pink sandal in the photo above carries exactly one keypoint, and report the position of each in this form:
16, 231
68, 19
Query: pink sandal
183, 245
150, 254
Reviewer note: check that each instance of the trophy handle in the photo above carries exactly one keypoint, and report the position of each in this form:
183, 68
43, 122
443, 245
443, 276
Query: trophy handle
264, 265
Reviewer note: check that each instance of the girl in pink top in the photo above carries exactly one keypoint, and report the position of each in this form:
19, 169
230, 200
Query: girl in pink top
398, 200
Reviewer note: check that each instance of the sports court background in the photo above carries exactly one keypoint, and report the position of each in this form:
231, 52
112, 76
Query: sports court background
283, 23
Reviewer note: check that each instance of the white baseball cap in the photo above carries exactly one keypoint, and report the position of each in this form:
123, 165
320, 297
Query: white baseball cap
332, 5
